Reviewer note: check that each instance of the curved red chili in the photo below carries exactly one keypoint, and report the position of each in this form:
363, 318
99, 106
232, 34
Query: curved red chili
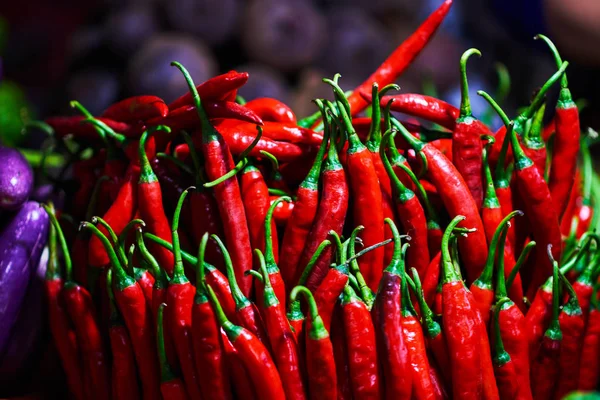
272, 110
505, 370
589, 367
171, 386
218, 161
255, 196
136, 108
216, 88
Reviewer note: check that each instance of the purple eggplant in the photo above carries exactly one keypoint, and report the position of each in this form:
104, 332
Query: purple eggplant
21, 245
16, 178
27, 330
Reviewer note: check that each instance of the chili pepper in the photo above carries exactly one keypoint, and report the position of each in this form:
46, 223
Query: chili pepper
75, 125
132, 304
283, 344
491, 212
255, 196
423, 387
214, 277
217, 88
589, 366
302, 218
434, 230
143, 277
538, 316
321, 368
401, 58
512, 329
566, 140
436, 341
466, 142
171, 386
117, 216
137, 108
538, 207
278, 131
386, 314
482, 288
85, 321
533, 144
584, 285
60, 327
330, 216
283, 211
243, 386
504, 367
456, 197
545, 364
270, 241
366, 192
252, 353
572, 323
460, 325
432, 278
328, 292
246, 311
585, 211
209, 356
180, 298
272, 110
411, 215
149, 203
502, 183
360, 346
218, 160
124, 375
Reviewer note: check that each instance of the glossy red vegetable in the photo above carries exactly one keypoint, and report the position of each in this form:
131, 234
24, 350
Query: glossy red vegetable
272, 110
137, 108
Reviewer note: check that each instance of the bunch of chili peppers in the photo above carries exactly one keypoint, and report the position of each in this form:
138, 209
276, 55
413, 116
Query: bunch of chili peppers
230, 250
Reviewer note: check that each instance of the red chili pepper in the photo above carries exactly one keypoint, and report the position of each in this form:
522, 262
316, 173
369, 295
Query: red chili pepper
505, 370
423, 387
360, 346
482, 288
331, 214
458, 201
150, 206
276, 131
243, 385
512, 329
411, 215
283, 211
171, 386
321, 368
340, 355
459, 320
132, 304
82, 313
538, 316
252, 353
366, 193
538, 205
283, 344
386, 314
572, 323
246, 312
566, 141
272, 110
124, 374
401, 58
60, 327
589, 367
432, 278
302, 218
117, 216
218, 162
255, 195
209, 355
216, 88
77, 126
466, 138
137, 108
180, 298
436, 340
545, 364
584, 285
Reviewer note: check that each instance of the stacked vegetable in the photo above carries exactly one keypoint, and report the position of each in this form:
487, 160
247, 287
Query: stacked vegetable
336, 256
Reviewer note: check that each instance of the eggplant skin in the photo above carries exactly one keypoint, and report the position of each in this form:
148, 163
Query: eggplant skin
16, 178
21, 245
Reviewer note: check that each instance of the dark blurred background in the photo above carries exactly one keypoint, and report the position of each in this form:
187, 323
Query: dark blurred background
98, 51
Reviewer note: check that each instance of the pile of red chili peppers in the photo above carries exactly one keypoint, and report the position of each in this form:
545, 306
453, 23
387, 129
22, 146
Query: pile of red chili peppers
230, 250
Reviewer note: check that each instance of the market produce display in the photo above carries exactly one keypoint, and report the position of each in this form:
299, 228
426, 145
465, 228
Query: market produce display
213, 248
